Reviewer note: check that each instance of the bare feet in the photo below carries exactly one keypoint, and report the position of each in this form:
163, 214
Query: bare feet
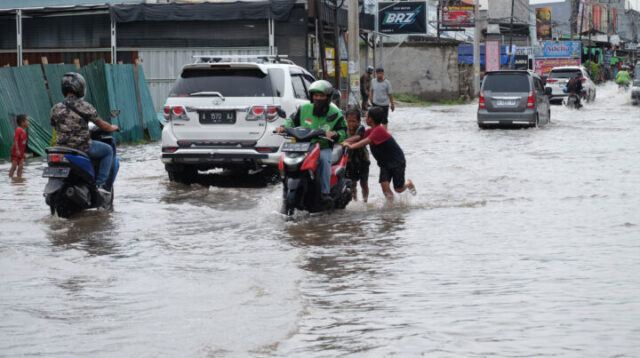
412, 187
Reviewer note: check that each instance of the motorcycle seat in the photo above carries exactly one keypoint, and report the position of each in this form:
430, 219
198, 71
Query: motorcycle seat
66, 150
336, 154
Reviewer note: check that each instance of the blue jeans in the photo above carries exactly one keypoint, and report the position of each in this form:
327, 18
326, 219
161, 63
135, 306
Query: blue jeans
104, 153
323, 171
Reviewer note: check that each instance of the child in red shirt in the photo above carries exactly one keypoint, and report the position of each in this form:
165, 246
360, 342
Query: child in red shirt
19, 145
387, 152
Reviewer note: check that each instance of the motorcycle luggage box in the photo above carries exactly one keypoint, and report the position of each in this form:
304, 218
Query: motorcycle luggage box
56, 172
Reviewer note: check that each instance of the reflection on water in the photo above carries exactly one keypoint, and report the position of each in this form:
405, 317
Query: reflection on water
515, 238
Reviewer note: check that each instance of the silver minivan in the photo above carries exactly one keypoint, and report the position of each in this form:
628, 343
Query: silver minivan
513, 99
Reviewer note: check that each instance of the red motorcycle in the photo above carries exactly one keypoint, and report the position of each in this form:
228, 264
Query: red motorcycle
298, 163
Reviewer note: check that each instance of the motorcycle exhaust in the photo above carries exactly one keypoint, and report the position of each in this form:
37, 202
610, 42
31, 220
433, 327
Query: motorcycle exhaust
79, 195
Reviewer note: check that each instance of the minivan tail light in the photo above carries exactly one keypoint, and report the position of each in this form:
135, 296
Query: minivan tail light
481, 103
531, 101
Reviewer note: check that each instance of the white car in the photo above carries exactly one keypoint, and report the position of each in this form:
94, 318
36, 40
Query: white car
222, 114
559, 76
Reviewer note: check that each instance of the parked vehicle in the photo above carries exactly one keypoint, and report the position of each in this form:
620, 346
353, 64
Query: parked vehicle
301, 189
221, 112
513, 98
635, 92
71, 187
560, 76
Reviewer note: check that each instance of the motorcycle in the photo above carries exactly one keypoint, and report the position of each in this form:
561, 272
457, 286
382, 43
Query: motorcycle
71, 187
301, 188
571, 101
623, 87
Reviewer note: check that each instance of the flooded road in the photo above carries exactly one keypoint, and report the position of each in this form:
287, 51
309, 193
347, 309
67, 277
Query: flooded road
519, 243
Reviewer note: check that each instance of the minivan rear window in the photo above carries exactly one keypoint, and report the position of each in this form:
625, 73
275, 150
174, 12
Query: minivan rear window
564, 74
506, 82
230, 82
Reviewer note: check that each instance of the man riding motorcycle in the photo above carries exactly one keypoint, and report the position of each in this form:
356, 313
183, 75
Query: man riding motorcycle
623, 78
321, 114
71, 117
574, 87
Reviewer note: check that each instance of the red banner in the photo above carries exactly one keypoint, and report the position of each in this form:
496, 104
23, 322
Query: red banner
544, 66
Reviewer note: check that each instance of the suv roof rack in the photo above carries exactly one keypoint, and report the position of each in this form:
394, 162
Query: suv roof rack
243, 58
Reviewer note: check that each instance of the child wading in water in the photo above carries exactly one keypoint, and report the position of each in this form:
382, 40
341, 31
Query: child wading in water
387, 152
358, 164
19, 146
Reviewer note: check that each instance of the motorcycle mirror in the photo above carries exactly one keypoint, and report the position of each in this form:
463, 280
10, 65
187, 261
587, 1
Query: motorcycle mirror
281, 112
115, 113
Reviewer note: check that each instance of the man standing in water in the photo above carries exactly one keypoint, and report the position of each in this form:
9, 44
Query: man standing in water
381, 95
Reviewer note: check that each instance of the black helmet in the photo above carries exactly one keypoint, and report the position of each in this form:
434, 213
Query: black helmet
369, 68
336, 95
321, 86
73, 82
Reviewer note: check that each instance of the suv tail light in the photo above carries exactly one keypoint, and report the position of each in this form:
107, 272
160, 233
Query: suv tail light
531, 101
583, 79
270, 113
481, 103
175, 112
57, 158
551, 80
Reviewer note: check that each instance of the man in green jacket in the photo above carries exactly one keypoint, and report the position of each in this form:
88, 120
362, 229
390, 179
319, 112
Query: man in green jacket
623, 77
321, 114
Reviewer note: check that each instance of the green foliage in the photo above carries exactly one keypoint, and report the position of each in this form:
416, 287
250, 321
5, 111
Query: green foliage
409, 98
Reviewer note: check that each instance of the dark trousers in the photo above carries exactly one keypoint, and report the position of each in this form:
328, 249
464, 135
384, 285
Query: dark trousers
385, 120
365, 101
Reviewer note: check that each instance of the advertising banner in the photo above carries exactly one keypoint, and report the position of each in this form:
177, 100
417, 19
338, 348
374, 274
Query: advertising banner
544, 66
492, 55
456, 13
407, 17
550, 49
543, 23
521, 62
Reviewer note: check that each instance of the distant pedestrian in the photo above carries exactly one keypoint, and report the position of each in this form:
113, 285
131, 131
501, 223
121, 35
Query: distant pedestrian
365, 87
19, 146
381, 95
387, 152
359, 162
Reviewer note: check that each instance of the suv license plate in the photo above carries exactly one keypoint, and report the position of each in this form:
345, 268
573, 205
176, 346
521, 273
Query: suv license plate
217, 117
295, 147
56, 172
506, 102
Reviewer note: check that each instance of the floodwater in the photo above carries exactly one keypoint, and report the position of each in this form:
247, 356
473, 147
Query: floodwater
520, 243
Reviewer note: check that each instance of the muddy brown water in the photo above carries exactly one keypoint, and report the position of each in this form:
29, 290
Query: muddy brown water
519, 243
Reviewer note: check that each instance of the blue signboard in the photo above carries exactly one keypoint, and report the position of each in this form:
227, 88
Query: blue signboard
402, 17
552, 49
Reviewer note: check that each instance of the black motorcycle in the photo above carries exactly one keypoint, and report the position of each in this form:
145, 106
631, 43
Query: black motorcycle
297, 167
71, 187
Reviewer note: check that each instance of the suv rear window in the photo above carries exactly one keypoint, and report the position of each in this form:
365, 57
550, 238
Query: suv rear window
506, 82
230, 82
564, 73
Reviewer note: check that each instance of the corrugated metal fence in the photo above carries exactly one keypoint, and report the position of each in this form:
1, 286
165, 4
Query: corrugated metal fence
25, 90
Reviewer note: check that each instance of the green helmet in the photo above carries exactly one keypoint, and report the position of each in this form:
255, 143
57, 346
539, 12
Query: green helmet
321, 86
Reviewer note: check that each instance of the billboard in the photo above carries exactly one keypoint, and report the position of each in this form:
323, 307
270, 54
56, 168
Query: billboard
544, 66
543, 23
407, 17
457, 13
549, 49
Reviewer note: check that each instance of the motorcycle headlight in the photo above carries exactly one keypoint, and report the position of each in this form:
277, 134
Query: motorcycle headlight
294, 159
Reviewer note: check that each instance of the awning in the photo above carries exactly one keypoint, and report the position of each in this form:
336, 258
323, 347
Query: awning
228, 11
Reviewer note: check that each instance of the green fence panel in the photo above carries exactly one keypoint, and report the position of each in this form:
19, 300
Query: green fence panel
97, 91
23, 90
54, 73
122, 96
149, 114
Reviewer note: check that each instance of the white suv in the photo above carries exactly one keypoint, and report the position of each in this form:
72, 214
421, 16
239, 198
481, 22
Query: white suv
559, 76
222, 114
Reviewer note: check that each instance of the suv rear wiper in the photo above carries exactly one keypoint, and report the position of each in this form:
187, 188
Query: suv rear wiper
207, 93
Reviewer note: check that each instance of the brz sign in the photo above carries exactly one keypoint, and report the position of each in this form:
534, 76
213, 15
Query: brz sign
407, 17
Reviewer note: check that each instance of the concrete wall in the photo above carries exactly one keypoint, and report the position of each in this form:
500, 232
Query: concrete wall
429, 71
501, 9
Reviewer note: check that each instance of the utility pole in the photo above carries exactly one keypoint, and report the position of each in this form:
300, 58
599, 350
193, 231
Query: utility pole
511, 33
476, 50
353, 49
320, 28
337, 53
